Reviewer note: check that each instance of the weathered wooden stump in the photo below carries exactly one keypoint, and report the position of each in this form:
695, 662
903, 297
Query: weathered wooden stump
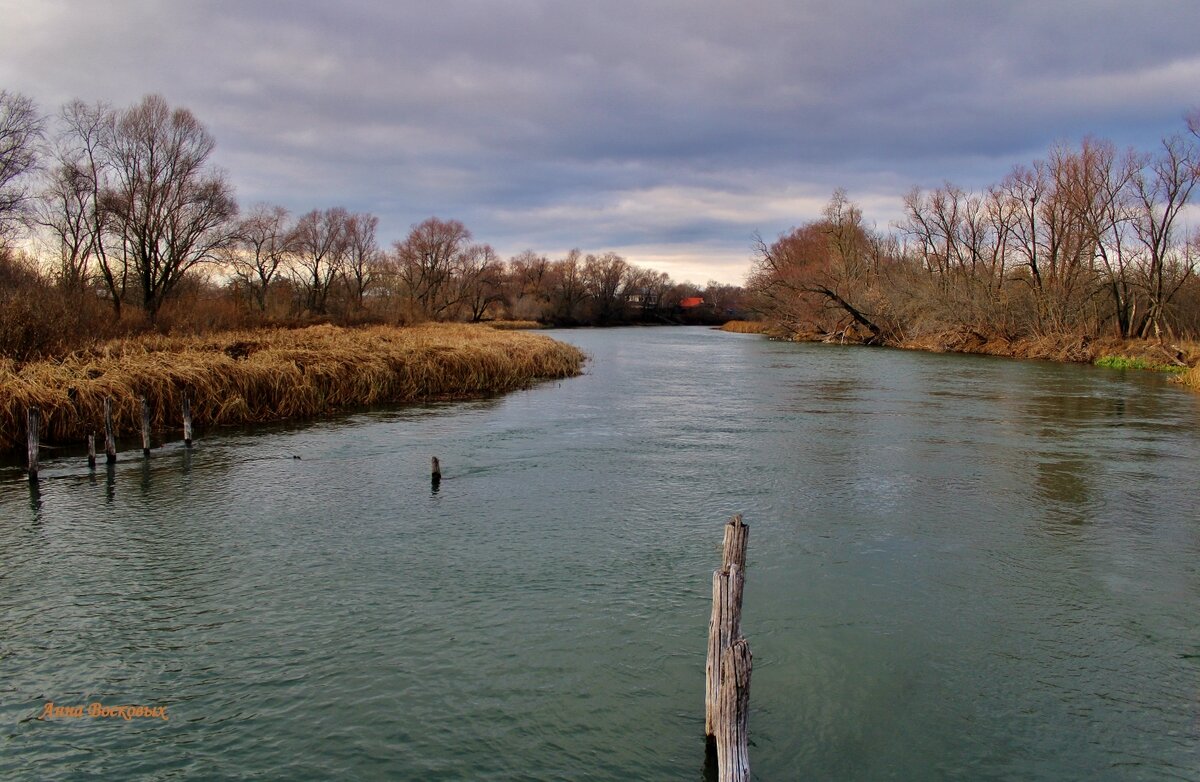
145, 428
187, 421
110, 440
733, 708
32, 439
436, 475
727, 669
91, 441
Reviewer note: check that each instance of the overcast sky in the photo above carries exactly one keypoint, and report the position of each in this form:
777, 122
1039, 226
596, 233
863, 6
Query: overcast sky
668, 131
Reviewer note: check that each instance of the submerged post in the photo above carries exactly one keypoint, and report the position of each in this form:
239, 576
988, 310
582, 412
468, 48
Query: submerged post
145, 427
437, 473
187, 421
110, 441
727, 669
733, 740
32, 435
91, 440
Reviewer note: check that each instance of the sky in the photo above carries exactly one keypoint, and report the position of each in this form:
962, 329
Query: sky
669, 131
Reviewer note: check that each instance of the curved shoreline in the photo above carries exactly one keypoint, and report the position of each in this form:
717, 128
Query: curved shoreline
258, 376
1183, 360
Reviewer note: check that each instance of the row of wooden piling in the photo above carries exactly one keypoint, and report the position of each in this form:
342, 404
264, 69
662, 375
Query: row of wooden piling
33, 434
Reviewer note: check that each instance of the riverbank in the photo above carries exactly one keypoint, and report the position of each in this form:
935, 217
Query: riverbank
254, 376
1181, 358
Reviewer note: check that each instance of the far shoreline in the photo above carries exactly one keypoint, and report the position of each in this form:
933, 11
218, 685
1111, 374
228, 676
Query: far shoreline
1180, 359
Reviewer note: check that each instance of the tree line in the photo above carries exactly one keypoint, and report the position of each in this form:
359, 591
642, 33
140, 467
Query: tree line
1090, 241
136, 228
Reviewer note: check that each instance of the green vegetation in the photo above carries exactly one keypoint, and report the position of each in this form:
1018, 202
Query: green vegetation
1123, 362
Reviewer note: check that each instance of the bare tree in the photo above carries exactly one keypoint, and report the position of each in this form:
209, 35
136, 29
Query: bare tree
66, 210
426, 262
1161, 191
605, 278
362, 255
169, 208
21, 129
479, 275
261, 243
319, 243
1096, 183
567, 291
72, 209
527, 283
815, 278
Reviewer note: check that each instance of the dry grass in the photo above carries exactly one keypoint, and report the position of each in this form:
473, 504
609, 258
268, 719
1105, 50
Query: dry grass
747, 327
514, 325
270, 375
1191, 378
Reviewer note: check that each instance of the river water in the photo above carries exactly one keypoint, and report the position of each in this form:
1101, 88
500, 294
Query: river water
959, 568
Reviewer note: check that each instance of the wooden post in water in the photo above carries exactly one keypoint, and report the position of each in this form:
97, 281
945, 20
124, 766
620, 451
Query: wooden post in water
145, 428
32, 434
110, 441
733, 707
187, 421
437, 473
727, 669
92, 450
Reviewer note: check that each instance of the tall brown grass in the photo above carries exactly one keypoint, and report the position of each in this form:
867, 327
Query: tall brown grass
514, 325
242, 377
1191, 378
747, 327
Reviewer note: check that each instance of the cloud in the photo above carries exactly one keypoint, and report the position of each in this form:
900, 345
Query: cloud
651, 124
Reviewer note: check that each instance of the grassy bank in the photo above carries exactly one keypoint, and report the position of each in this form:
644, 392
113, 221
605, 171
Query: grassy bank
1191, 378
244, 377
747, 327
1181, 358
1108, 352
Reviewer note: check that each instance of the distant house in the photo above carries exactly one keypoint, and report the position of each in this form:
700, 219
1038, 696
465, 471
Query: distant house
691, 302
644, 298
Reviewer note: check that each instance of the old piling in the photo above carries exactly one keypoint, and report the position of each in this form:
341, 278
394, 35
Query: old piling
91, 441
145, 428
436, 475
733, 708
727, 669
32, 433
187, 421
110, 440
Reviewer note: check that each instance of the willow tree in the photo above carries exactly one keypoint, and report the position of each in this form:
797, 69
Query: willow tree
319, 246
819, 277
170, 210
427, 261
20, 133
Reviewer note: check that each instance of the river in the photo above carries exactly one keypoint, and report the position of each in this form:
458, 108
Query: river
959, 568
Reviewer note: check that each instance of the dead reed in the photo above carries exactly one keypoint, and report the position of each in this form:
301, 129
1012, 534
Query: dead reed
243, 377
514, 325
747, 327
1191, 378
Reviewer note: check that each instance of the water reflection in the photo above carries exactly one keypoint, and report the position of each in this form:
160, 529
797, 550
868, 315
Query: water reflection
35, 497
984, 543
145, 475
1063, 484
